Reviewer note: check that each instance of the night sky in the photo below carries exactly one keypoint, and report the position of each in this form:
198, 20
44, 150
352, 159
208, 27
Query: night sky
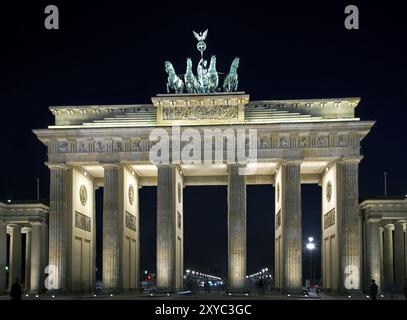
112, 52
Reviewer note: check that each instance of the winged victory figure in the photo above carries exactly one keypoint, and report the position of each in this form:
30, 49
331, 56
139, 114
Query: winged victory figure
201, 36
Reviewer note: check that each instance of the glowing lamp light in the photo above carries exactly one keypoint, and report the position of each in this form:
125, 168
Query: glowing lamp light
111, 294
310, 246
310, 239
53, 297
36, 296
9, 201
27, 295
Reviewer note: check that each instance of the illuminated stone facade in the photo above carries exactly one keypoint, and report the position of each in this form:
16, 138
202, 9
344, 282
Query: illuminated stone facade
298, 141
30, 219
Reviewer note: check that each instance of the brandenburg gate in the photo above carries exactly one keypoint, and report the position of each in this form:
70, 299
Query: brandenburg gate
297, 141
202, 134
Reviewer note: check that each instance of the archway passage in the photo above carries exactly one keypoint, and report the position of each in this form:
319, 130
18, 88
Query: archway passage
260, 227
205, 229
311, 228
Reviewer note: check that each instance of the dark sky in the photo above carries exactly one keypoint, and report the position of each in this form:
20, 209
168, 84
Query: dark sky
111, 52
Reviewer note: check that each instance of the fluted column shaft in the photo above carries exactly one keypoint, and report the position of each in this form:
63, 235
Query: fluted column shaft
236, 227
27, 258
388, 255
166, 228
399, 256
59, 224
112, 227
15, 254
37, 262
373, 246
349, 225
291, 226
3, 257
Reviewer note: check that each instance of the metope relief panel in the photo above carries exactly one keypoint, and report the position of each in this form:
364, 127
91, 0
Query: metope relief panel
303, 142
329, 219
82, 222
82, 146
131, 221
278, 219
100, 146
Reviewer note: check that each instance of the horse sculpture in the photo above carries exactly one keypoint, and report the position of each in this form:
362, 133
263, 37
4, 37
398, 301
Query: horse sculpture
231, 81
174, 82
191, 83
213, 77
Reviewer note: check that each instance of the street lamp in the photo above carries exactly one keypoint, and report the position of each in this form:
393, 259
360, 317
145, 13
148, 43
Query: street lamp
310, 246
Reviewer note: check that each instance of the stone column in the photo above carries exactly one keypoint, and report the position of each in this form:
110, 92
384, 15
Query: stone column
399, 256
169, 193
37, 263
291, 226
27, 274
59, 225
405, 250
3, 257
388, 255
349, 251
112, 227
373, 247
15, 253
236, 227
381, 239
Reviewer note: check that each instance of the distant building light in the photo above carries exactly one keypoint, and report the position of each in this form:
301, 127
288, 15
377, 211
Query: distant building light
188, 271
8, 201
145, 272
52, 296
349, 297
27, 295
111, 294
36, 295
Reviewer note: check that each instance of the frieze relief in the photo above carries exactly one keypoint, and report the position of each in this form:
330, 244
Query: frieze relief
264, 142
217, 112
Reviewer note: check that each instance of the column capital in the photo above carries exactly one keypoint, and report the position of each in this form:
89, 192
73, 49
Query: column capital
57, 165
345, 160
13, 226
25, 229
292, 162
107, 165
389, 226
37, 223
